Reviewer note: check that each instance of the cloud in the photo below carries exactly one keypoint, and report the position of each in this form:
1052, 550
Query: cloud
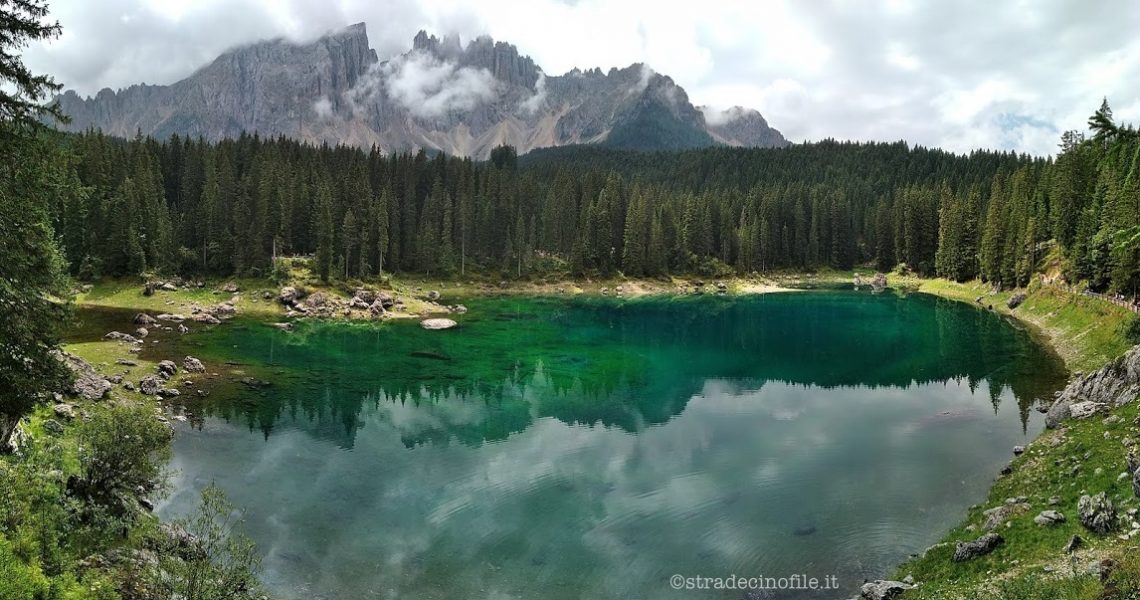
323, 108
874, 70
429, 87
716, 116
532, 104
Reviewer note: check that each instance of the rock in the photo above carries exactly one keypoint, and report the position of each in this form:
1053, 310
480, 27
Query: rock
721, 286
909, 580
1074, 543
225, 309
126, 363
130, 387
964, 551
879, 282
365, 295
64, 411
184, 544
206, 318
1000, 514
1083, 410
231, 288
150, 385
53, 427
437, 324
169, 392
1097, 513
1018, 450
182, 329
148, 289
169, 287
121, 337
282, 326
1054, 500
883, 590
605, 291
359, 303
288, 295
141, 332
173, 318
167, 369
1102, 568
114, 379
1015, 301
255, 383
503, 284
459, 309
317, 300
433, 295
146, 504
1113, 385
1049, 517
86, 381
193, 365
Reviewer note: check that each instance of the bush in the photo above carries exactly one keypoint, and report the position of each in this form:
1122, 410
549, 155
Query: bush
121, 450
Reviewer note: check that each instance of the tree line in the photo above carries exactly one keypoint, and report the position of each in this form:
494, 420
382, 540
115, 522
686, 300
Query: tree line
195, 208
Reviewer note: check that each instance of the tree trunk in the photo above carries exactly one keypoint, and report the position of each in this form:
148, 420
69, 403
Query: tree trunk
7, 426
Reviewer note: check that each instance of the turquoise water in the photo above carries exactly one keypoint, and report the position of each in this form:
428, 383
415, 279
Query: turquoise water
553, 448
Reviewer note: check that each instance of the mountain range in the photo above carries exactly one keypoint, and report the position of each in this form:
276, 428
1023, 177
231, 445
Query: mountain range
441, 95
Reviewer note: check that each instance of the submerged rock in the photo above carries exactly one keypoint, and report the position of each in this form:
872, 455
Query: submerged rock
437, 324
964, 551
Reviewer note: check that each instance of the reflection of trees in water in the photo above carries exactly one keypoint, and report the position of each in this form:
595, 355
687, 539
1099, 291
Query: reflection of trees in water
627, 365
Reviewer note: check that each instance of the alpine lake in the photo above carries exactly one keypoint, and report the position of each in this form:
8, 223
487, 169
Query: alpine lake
596, 447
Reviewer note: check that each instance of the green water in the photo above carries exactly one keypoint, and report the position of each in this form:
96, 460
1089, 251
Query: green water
594, 448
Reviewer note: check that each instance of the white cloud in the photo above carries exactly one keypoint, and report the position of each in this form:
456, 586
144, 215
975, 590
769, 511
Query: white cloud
532, 104
323, 108
430, 88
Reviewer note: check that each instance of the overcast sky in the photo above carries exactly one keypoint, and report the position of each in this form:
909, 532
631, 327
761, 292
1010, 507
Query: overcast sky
958, 74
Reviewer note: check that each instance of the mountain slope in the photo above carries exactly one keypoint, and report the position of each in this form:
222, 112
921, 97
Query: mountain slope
440, 95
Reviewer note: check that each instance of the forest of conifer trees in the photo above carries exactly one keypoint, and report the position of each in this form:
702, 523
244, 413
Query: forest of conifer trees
193, 208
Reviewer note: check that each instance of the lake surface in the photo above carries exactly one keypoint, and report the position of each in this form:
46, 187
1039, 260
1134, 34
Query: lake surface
555, 448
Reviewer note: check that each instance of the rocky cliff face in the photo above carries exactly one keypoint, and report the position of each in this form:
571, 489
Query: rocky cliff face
1114, 384
440, 95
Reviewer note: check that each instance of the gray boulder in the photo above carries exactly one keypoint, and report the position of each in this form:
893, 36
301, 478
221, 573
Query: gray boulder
1097, 513
883, 590
64, 411
288, 295
964, 551
1113, 385
1049, 517
167, 369
150, 385
145, 320
437, 324
193, 365
1000, 514
87, 383
119, 336
1015, 301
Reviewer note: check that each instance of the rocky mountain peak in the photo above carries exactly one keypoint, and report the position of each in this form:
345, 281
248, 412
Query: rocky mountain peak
440, 95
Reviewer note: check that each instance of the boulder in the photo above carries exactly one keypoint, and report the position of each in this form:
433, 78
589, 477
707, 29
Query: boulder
64, 411
359, 303
87, 383
1074, 543
150, 385
365, 295
169, 287
437, 324
173, 318
1049, 517
288, 295
879, 282
145, 320
1018, 450
1015, 301
964, 551
169, 392
225, 309
883, 590
433, 295
1112, 385
119, 336
459, 309
1097, 513
282, 326
1083, 410
53, 427
1000, 514
206, 318
231, 288
167, 369
193, 365
142, 332
317, 300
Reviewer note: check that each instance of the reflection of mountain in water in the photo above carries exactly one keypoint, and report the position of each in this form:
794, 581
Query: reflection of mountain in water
623, 364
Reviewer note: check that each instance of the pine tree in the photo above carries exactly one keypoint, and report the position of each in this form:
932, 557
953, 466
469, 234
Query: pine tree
324, 221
